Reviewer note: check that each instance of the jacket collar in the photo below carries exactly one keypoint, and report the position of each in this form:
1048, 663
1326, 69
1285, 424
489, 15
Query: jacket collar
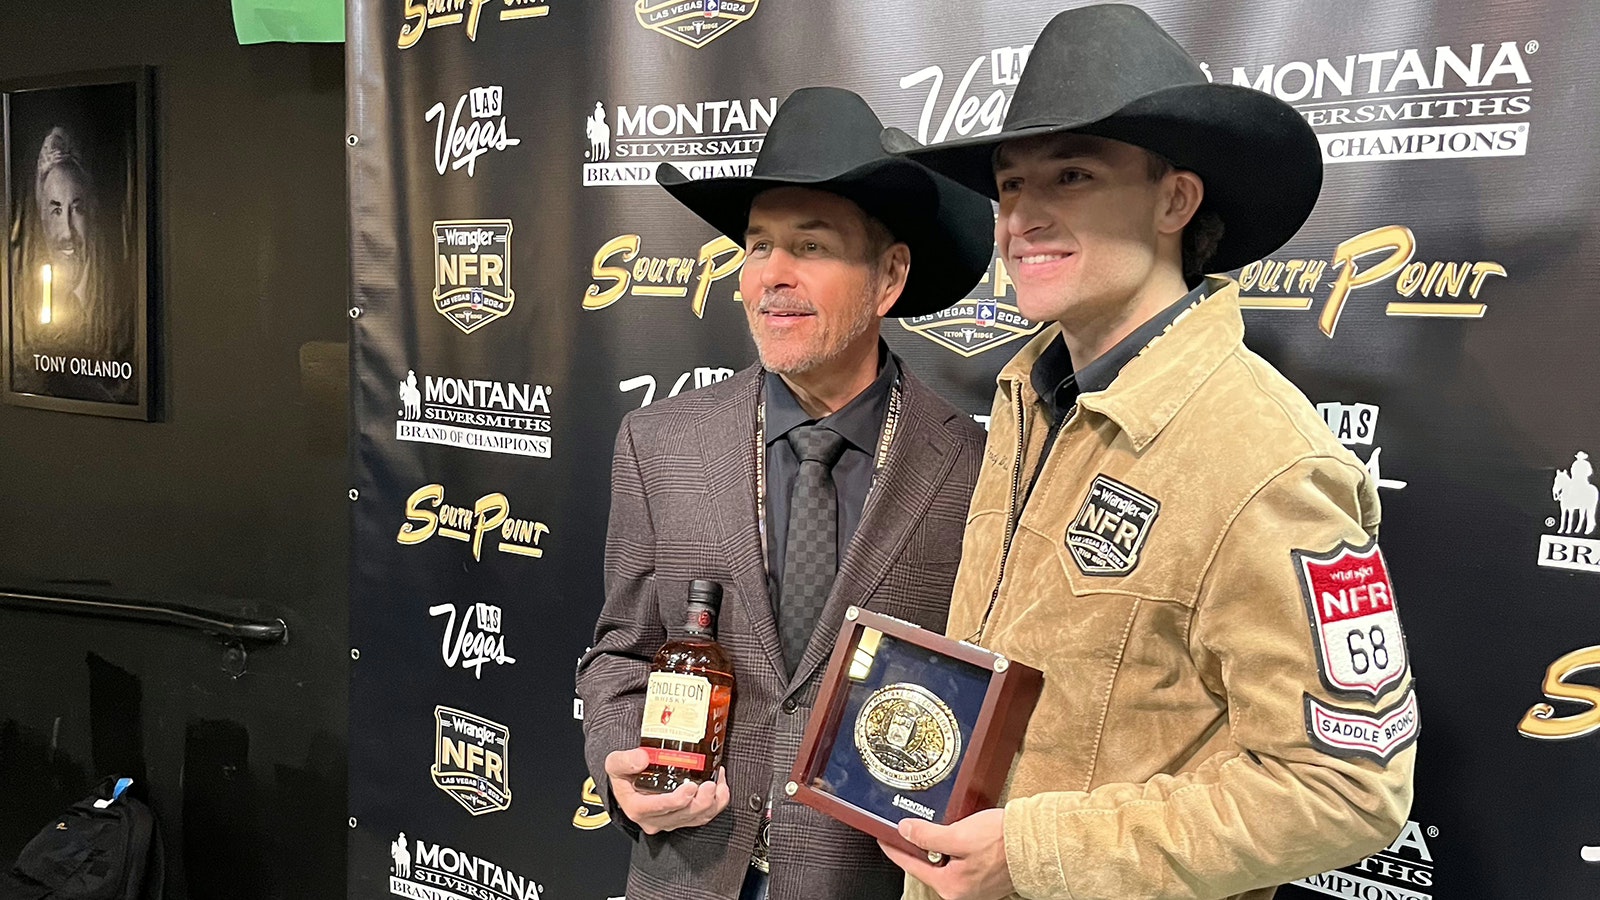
1154, 385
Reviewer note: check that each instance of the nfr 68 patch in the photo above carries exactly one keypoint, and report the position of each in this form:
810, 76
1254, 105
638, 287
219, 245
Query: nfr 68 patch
1361, 650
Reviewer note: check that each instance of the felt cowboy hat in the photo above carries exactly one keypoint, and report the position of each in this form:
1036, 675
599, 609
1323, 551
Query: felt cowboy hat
1109, 70
828, 139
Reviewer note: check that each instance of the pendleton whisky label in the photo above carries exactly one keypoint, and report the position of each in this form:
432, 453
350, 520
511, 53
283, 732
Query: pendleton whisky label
676, 707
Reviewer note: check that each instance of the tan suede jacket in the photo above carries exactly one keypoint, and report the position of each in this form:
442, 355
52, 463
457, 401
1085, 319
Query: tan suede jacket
1227, 700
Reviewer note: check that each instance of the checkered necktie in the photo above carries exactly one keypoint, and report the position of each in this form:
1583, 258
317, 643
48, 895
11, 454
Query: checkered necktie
811, 552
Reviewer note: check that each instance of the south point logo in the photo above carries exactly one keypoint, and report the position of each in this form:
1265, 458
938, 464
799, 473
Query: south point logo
620, 270
428, 516
1437, 289
423, 15
472, 271
693, 22
471, 759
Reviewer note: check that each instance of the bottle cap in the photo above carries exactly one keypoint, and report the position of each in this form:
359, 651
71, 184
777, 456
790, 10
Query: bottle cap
706, 592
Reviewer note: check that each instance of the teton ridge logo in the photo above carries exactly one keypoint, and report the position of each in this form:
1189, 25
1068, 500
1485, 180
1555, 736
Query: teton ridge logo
693, 22
471, 760
472, 271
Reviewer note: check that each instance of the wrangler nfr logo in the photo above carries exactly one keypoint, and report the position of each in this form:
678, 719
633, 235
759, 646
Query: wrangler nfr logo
472, 271
1110, 528
470, 760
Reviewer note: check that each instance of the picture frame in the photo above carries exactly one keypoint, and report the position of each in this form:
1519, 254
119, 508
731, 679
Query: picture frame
77, 270
979, 699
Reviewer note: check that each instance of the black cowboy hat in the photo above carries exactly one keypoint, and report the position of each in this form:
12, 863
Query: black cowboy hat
827, 139
1109, 70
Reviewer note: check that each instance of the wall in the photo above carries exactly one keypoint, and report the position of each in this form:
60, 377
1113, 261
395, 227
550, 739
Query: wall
234, 500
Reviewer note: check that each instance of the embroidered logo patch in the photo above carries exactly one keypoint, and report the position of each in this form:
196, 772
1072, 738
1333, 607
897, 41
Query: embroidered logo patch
1360, 648
1353, 732
1109, 530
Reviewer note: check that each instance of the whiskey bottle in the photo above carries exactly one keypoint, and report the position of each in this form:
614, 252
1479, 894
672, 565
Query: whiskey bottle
687, 702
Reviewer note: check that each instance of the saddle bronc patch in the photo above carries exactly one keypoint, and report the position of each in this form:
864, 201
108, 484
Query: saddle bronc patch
1106, 535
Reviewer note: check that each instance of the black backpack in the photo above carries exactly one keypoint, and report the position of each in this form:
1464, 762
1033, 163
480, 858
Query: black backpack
105, 847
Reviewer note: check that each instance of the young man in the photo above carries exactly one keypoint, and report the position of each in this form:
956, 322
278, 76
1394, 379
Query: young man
1164, 525
825, 476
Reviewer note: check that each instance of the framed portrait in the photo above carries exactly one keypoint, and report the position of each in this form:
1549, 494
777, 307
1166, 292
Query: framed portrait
77, 271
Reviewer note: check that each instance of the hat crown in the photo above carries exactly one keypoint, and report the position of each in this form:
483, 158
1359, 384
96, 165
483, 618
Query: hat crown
1090, 62
820, 132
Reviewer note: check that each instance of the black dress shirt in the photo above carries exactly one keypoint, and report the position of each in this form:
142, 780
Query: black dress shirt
859, 422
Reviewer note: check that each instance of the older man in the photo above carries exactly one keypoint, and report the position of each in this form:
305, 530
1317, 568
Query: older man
825, 476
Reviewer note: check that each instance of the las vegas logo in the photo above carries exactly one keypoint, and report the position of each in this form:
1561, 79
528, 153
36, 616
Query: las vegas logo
472, 271
693, 22
1357, 424
1575, 491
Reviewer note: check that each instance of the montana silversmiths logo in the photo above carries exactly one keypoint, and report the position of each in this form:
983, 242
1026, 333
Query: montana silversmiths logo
474, 639
1415, 103
460, 143
1110, 528
619, 270
425, 15
1429, 289
1401, 871
1356, 424
471, 760
487, 521
1575, 492
475, 414
703, 376
424, 871
707, 139
472, 271
693, 22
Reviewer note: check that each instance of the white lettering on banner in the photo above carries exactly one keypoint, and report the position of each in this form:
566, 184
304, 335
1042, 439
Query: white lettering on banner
470, 647
461, 145
1401, 871
437, 872
1358, 102
1357, 424
709, 139
964, 112
1578, 496
702, 375
475, 414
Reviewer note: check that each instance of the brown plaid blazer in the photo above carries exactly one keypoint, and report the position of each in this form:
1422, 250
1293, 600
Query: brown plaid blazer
683, 506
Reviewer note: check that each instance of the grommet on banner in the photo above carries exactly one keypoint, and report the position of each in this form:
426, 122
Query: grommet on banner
354, 653
355, 312
352, 821
352, 140
355, 494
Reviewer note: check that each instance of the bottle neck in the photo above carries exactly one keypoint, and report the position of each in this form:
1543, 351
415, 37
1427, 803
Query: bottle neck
702, 621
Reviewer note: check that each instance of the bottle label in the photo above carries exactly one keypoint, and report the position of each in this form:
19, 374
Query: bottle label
678, 759
676, 707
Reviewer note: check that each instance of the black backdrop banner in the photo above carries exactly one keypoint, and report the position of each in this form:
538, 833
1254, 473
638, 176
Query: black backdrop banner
520, 283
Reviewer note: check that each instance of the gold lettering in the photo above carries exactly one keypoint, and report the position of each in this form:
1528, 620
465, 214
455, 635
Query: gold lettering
719, 258
490, 511
594, 297
1397, 239
1541, 722
427, 521
411, 31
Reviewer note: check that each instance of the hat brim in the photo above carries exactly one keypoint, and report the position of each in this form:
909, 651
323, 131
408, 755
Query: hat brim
1260, 162
949, 229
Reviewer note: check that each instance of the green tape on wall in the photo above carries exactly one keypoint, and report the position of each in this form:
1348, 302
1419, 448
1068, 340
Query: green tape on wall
260, 21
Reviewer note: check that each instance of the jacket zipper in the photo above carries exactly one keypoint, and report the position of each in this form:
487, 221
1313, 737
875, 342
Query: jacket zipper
1011, 516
